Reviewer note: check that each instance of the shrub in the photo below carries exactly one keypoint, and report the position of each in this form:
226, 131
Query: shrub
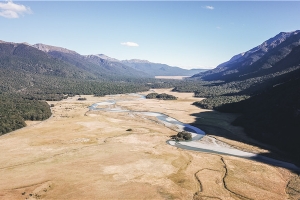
182, 136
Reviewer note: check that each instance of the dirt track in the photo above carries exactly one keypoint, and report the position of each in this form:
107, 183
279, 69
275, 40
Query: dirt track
79, 154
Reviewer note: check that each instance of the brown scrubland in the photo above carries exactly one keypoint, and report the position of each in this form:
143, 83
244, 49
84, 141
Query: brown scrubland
82, 154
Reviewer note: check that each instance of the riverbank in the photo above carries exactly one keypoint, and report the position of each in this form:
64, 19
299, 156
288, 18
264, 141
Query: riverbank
207, 144
82, 154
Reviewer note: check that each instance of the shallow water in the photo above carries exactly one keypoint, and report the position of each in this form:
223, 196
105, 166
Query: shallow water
197, 134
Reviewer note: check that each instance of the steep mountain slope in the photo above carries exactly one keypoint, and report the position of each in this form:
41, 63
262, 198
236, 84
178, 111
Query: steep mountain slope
259, 61
23, 58
115, 67
48, 74
270, 75
102, 68
25, 69
105, 57
157, 69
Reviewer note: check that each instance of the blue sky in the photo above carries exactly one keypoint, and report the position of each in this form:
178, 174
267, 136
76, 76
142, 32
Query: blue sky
194, 34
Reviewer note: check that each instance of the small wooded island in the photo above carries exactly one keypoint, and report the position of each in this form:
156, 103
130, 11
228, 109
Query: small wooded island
162, 96
182, 136
81, 99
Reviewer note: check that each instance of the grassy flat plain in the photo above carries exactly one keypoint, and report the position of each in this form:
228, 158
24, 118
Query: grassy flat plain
82, 154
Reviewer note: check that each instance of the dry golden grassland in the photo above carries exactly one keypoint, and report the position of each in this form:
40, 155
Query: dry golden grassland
82, 154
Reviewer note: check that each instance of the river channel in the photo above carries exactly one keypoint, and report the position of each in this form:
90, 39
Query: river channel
199, 141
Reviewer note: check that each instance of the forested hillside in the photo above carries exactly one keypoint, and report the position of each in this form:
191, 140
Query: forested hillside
158, 69
99, 67
264, 85
277, 65
15, 109
109, 68
22, 58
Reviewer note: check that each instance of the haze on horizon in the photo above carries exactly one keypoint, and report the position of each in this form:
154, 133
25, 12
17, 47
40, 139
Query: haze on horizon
185, 34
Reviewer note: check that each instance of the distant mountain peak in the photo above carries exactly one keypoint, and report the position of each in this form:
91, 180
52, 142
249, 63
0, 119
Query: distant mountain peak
135, 61
48, 48
279, 38
271, 43
104, 57
261, 59
260, 49
1, 41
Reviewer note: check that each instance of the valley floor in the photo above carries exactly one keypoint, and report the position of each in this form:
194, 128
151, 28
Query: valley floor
82, 154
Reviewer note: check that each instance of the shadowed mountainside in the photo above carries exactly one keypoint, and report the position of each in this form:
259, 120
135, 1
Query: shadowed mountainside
272, 116
263, 84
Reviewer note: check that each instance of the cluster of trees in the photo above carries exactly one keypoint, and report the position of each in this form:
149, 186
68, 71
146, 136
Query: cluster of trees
152, 95
218, 93
14, 110
216, 102
182, 136
162, 96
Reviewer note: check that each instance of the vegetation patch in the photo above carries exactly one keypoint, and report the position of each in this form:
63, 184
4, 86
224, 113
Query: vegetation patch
14, 110
81, 99
215, 102
182, 136
162, 96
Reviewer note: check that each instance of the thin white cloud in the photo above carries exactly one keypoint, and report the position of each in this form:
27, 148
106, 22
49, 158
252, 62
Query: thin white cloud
130, 44
218, 27
209, 7
13, 10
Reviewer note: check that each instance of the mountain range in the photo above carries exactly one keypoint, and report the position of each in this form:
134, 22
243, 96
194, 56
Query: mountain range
46, 60
25, 67
270, 75
94, 64
157, 69
265, 59
114, 66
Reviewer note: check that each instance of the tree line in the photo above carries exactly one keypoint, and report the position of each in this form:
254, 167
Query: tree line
162, 96
14, 110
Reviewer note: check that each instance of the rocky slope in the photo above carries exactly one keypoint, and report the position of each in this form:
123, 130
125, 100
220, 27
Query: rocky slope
261, 60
